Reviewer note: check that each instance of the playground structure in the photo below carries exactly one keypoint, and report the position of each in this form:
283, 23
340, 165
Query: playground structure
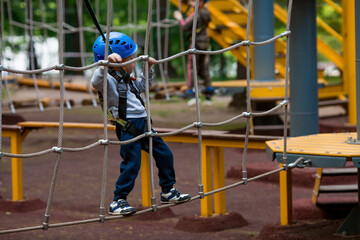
228, 21
203, 191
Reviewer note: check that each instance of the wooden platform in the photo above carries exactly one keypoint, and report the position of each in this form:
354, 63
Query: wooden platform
327, 150
327, 144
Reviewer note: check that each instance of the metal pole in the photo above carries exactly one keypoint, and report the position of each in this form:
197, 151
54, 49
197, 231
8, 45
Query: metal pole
303, 69
357, 67
263, 29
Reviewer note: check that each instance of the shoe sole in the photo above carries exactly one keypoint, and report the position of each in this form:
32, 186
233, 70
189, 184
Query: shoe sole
176, 202
126, 213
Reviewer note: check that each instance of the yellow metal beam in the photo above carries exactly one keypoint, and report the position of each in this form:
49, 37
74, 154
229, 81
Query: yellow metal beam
206, 208
16, 163
349, 73
145, 180
285, 197
219, 180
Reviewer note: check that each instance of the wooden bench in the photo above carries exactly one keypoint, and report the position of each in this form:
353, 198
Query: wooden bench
212, 151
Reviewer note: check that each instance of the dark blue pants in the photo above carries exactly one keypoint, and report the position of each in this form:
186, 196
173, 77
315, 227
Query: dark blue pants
131, 155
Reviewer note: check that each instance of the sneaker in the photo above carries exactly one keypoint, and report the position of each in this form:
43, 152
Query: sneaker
191, 102
174, 196
209, 91
121, 207
187, 94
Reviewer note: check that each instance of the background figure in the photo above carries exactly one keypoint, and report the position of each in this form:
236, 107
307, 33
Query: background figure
202, 42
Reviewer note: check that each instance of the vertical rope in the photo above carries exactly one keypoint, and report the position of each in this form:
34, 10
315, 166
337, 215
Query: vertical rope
248, 99
201, 187
183, 59
58, 150
146, 51
29, 20
159, 44
287, 70
105, 107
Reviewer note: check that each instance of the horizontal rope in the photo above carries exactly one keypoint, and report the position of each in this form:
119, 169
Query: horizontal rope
92, 220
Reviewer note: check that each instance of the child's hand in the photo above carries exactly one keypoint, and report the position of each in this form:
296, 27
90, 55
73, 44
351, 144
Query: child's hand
151, 61
114, 58
178, 15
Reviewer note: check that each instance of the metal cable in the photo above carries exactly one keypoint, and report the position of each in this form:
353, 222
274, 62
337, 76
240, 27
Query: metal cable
287, 70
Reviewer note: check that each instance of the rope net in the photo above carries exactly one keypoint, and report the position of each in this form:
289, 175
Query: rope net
61, 68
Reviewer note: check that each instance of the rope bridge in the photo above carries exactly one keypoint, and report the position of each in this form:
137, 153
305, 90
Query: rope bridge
59, 149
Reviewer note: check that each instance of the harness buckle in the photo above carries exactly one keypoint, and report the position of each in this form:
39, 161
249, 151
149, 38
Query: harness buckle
127, 125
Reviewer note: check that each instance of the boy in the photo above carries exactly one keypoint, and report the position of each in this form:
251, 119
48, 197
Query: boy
127, 110
202, 41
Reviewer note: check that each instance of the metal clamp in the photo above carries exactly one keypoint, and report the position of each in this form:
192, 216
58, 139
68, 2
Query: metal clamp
104, 141
57, 149
60, 67
197, 124
247, 114
46, 222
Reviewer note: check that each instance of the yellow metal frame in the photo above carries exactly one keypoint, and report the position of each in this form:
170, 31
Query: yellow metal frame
16, 138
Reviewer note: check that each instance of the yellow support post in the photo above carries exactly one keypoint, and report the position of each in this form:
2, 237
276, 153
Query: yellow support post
285, 197
16, 167
219, 180
349, 73
145, 180
206, 208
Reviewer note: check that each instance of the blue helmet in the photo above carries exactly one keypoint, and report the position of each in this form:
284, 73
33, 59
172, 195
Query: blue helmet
119, 43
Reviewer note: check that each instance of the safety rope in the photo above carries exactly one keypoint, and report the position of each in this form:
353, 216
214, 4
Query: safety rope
59, 149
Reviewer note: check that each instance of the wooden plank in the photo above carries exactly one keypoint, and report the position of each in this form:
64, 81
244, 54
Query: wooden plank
329, 144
